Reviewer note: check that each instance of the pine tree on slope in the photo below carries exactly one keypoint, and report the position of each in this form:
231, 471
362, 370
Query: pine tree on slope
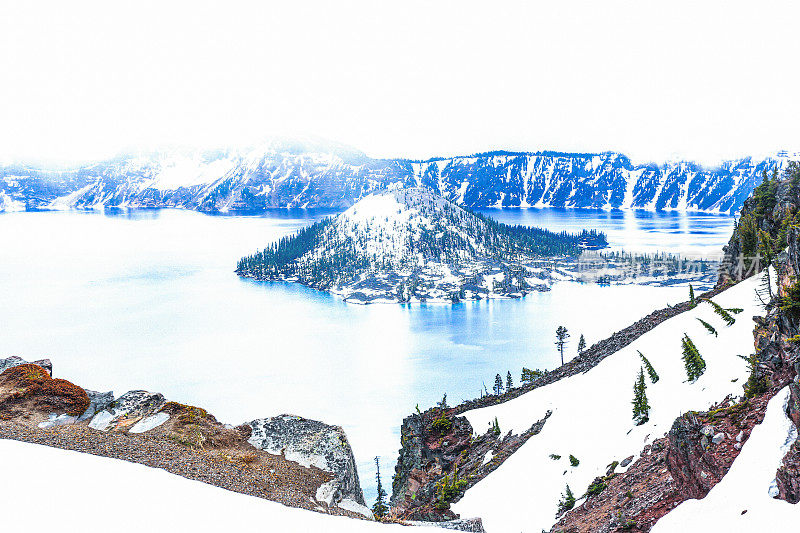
650, 370
379, 509
581, 344
509, 381
641, 409
498, 385
561, 340
692, 360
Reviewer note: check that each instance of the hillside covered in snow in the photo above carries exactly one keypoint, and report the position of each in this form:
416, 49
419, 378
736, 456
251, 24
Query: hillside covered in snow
410, 244
291, 173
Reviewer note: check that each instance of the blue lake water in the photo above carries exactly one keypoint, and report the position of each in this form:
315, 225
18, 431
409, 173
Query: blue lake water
148, 299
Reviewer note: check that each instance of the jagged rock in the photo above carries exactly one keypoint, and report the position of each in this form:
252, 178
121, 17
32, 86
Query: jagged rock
719, 437
97, 402
127, 410
13, 361
695, 470
625, 462
311, 443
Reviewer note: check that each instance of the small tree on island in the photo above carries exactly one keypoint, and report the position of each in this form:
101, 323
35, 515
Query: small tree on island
509, 381
581, 344
498, 385
561, 340
641, 409
379, 509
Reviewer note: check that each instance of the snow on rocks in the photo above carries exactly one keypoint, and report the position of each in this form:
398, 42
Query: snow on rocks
744, 500
311, 443
127, 410
597, 403
169, 502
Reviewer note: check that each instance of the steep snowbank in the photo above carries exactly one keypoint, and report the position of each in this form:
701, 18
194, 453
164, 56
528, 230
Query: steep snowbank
135, 498
742, 501
592, 414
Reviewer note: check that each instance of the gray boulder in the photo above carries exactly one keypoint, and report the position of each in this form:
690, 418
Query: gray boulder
126, 410
98, 401
312, 443
13, 361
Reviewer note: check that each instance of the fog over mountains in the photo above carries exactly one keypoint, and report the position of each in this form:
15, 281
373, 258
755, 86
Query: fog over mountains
321, 174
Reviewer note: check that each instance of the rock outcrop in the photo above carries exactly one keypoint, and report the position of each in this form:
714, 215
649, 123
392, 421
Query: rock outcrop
29, 388
127, 410
441, 458
10, 362
312, 443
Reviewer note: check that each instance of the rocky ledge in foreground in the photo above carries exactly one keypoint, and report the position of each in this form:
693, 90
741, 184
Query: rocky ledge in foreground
299, 462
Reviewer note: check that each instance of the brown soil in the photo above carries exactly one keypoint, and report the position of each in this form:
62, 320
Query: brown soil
26, 388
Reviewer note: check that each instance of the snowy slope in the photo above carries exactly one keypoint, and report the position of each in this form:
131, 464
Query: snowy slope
592, 414
48, 489
746, 486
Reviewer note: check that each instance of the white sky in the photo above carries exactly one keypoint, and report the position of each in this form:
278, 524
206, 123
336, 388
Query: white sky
703, 80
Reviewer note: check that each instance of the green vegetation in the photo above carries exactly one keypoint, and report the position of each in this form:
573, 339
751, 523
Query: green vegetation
692, 301
529, 375
442, 425
722, 312
757, 382
562, 335
573, 460
692, 360
343, 256
581, 344
555, 457
641, 409
379, 509
791, 301
567, 501
496, 427
650, 370
447, 489
708, 327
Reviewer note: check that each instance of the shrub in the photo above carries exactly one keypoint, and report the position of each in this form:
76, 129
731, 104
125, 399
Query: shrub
442, 425
447, 489
567, 501
574, 460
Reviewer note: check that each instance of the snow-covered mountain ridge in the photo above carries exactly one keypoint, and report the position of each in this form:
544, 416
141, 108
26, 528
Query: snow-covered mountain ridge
413, 245
281, 174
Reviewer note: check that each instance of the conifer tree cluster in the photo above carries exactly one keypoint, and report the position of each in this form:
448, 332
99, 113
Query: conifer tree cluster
454, 233
567, 501
641, 409
692, 360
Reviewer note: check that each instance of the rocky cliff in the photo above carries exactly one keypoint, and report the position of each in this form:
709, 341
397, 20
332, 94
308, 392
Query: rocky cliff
306, 173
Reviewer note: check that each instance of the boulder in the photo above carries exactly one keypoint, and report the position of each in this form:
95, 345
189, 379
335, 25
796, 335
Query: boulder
98, 401
311, 443
127, 410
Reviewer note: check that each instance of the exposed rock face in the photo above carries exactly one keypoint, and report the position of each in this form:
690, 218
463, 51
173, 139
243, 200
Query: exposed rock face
311, 443
13, 361
98, 401
471, 525
685, 464
440, 459
307, 173
127, 410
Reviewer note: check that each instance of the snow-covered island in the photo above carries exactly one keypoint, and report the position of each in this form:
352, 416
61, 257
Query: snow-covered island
410, 245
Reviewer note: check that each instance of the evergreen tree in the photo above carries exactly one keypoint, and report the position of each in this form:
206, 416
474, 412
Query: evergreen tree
692, 301
641, 409
567, 501
509, 381
723, 313
443, 403
650, 370
498, 385
692, 360
379, 509
529, 375
708, 327
581, 344
496, 427
561, 340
